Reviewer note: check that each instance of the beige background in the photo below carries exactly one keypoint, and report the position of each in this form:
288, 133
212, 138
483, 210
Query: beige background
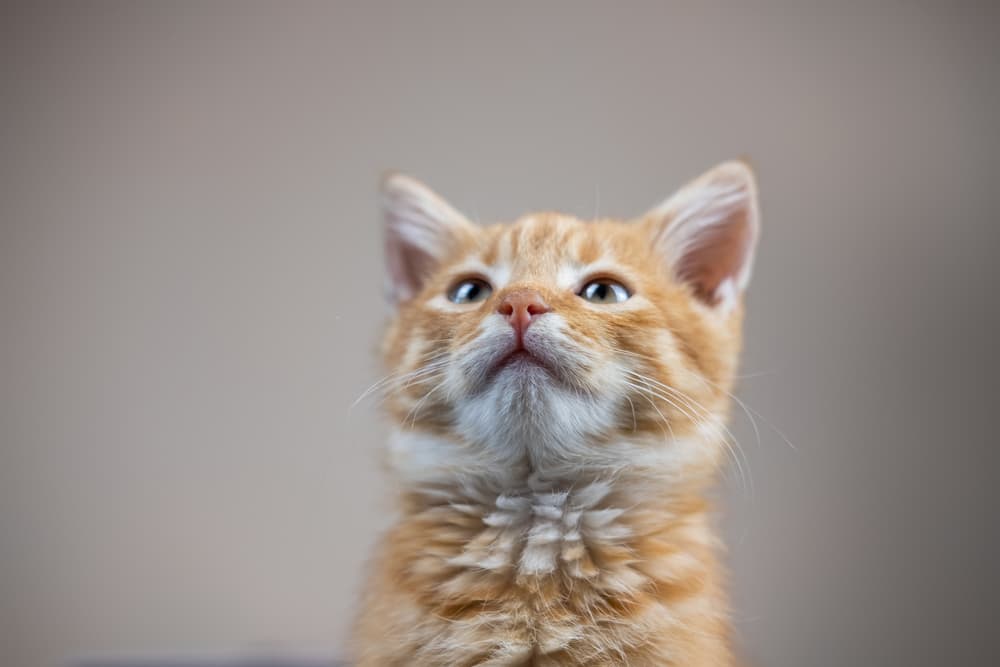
190, 289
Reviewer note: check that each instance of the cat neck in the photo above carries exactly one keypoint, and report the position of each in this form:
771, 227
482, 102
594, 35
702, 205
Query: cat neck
437, 465
539, 524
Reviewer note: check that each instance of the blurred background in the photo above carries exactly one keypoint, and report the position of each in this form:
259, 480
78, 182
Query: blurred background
190, 298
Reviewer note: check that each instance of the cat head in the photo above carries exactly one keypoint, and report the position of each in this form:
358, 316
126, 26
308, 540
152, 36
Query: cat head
552, 345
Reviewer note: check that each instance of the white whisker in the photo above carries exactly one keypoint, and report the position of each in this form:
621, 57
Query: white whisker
729, 440
402, 380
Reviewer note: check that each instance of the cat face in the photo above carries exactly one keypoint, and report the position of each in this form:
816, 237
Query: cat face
552, 344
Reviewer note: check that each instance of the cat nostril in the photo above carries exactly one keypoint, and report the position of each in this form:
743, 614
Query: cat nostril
520, 307
537, 308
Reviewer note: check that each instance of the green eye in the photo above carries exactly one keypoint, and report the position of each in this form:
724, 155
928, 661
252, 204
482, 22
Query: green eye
470, 290
604, 291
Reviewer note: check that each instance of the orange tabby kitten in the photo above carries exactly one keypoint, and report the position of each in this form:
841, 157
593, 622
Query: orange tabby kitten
558, 397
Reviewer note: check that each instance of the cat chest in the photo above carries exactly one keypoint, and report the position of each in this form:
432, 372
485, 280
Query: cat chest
548, 573
541, 533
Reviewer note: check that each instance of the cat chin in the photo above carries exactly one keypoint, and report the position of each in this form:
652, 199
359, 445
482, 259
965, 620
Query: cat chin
526, 402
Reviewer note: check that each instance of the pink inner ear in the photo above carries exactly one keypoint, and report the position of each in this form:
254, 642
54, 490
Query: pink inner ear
407, 266
399, 271
717, 254
420, 228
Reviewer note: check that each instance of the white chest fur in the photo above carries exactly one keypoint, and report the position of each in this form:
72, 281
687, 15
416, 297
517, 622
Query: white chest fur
541, 530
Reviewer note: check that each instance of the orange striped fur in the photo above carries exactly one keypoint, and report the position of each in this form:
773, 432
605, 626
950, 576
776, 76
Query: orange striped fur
557, 513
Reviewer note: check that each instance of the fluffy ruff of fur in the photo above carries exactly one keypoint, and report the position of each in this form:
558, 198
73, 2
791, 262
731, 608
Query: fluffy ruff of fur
606, 574
554, 511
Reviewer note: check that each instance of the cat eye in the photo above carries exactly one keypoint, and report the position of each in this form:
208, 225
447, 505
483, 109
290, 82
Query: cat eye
604, 290
470, 290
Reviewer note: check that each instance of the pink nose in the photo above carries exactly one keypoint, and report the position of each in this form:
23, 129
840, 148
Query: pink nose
521, 307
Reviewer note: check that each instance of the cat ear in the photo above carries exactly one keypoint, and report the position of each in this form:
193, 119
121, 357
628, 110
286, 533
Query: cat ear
708, 232
420, 229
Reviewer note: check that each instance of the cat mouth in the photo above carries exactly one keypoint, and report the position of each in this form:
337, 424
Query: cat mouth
519, 358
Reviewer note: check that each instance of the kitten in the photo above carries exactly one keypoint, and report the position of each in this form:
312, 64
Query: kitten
558, 400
